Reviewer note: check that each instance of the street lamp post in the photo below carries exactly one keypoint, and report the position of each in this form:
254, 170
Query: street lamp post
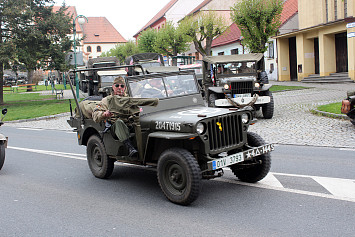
81, 20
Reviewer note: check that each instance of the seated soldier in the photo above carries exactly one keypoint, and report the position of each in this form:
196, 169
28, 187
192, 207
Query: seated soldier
101, 113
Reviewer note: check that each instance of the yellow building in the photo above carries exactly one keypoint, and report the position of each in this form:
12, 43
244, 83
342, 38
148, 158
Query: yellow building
324, 43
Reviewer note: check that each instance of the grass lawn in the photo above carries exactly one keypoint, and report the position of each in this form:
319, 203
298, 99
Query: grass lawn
276, 88
32, 105
334, 108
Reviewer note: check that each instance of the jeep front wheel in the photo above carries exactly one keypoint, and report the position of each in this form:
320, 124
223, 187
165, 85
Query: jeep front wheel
100, 164
179, 176
255, 170
268, 109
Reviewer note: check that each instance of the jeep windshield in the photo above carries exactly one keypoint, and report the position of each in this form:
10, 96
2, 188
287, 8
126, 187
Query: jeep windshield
235, 68
164, 86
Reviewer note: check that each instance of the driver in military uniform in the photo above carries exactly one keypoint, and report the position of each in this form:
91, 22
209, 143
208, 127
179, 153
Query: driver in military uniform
119, 110
102, 113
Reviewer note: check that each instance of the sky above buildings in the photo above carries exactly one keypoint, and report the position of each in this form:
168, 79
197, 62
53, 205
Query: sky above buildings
127, 16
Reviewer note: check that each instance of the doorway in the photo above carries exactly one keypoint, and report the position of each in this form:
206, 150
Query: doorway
341, 51
293, 58
316, 56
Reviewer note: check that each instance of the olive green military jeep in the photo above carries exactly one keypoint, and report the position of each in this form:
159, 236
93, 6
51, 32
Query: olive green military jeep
238, 81
183, 139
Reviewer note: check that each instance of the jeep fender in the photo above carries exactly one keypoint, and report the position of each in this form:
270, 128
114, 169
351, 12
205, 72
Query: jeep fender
2, 137
265, 87
218, 90
165, 141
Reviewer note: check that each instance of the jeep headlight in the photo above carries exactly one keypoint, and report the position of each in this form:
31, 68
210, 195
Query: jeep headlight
200, 128
257, 85
226, 86
245, 118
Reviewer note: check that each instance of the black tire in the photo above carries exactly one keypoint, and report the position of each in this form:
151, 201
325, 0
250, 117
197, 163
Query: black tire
96, 90
179, 176
352, 121
100, 164
2, 155
212, 97
85, 87
256, 172
268, 109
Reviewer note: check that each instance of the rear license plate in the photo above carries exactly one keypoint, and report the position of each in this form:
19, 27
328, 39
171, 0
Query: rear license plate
240, 157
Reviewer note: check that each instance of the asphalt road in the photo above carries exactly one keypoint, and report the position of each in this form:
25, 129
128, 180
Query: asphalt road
47, 189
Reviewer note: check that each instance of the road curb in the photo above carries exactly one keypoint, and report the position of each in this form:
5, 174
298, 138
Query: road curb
329, 115
40, 118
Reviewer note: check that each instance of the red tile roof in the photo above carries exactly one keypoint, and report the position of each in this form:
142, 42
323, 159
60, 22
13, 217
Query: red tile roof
100, 30
159, 15
231, 35
289, 10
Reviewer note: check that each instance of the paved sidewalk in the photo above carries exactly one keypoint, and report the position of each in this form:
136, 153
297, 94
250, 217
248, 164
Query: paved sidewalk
292, 122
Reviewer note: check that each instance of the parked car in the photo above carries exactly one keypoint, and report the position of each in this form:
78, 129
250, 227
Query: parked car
182, 138
238, 81
348, 106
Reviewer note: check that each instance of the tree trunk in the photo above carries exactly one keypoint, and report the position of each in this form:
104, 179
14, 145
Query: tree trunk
30, 76
1, 83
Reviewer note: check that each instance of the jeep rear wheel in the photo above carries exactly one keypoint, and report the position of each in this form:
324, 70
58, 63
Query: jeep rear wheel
2, 154
268, 109
259, 167
179, 176
100, 164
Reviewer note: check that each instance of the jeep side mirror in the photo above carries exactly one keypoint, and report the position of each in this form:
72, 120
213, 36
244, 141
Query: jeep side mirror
4, 111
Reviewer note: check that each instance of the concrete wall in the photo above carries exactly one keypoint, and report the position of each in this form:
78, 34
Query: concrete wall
316, 12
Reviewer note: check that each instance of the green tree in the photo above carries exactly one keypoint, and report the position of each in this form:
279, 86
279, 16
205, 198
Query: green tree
122, 51
46, 41
202, 29
146, 41
171, 41
257, 21
32, 34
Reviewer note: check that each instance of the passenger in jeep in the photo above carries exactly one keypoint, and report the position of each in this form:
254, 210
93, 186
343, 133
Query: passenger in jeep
102, 113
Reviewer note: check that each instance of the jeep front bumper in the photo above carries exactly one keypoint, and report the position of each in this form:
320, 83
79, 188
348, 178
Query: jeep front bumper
242, 100
239, 157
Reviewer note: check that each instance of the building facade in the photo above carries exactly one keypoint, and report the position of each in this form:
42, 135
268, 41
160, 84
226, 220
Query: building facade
324, 43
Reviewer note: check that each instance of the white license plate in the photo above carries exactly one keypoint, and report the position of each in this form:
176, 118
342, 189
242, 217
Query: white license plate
240, 157
242, 95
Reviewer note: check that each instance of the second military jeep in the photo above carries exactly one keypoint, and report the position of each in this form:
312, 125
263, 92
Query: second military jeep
238, 81
184, 140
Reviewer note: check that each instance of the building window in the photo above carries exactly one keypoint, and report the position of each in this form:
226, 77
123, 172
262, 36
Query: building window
98, 48
335, 9
221, 53
88, 49
234, 51
270, 50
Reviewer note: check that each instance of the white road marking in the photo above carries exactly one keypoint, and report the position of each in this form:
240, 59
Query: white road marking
340, 189
53, 153
346, 149
261, 185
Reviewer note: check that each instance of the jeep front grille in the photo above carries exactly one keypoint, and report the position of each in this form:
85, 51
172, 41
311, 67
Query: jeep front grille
225, 131
242, 87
